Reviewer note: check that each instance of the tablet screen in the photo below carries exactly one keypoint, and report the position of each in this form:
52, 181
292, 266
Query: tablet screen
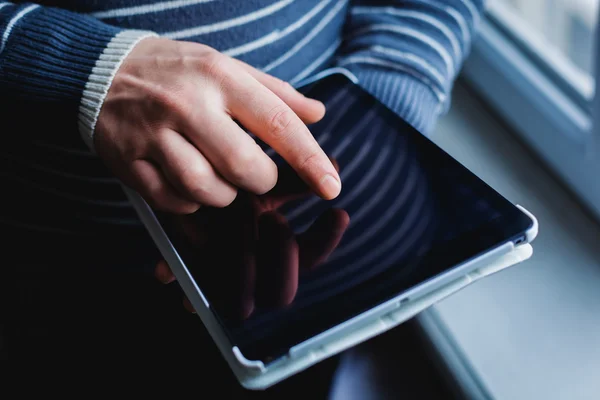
281, 268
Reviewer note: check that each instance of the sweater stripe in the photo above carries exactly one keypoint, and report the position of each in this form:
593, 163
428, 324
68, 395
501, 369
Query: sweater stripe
11, 24
410, 58
146, 9
396, 66
464, 28
327, 54
272, 37
472, 11
308, 38
57, 65
415, 15
415, 34
227, 24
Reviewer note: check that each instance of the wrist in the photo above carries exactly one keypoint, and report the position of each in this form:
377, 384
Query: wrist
101, 78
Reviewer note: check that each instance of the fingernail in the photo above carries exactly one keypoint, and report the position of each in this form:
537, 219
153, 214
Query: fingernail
330, 187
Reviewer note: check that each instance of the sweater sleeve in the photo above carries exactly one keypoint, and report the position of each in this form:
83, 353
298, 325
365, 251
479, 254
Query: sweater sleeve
408, 52
55, 59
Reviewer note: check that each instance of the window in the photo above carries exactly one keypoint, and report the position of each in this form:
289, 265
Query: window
558, 33
568, 25
535, 63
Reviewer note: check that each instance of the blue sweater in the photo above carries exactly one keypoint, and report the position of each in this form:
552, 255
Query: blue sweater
57, 59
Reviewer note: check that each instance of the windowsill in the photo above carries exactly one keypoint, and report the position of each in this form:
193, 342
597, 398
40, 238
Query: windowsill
533, 331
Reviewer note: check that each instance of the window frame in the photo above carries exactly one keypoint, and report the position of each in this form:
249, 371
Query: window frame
535, 93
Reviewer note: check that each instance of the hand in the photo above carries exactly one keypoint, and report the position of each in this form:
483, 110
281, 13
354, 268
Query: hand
247, 255
168, 128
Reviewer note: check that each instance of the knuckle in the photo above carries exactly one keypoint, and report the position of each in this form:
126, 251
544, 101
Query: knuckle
308, 159
200, 183
279, 121
213, 64
196, 180
282, 85
242, 162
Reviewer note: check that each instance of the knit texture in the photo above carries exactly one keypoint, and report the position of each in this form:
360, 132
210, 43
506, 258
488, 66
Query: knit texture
101, 77
58, 57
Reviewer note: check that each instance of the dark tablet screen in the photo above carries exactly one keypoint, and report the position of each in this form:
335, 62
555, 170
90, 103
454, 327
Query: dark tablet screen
281, 268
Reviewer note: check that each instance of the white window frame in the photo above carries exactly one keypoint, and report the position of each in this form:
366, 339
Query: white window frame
544, 99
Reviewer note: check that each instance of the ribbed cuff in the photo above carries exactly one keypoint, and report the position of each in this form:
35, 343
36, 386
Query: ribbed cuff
52, 56
413, 100
49, 53
101, 78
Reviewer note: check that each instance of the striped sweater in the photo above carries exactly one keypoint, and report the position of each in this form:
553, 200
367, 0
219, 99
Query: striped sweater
57, 58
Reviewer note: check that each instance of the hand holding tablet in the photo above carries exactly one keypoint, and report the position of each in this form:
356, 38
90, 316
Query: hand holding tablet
288, 279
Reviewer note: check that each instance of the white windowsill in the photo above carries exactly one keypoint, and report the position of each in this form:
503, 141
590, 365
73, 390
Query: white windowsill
533, 331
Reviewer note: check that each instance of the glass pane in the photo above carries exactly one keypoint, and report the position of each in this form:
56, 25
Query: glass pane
566, 25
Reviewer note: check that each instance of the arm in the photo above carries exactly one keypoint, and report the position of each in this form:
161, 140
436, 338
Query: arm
408, 53
160, 113
55, 59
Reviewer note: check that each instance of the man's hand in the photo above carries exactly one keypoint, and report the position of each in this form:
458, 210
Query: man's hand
168, 128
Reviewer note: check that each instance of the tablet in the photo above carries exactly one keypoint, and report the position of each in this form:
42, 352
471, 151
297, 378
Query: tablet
284, 279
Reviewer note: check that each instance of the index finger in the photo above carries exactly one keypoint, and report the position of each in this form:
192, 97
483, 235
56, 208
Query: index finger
274, 122
289, 187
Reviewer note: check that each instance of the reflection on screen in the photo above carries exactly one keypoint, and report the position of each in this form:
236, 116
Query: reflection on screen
282, 267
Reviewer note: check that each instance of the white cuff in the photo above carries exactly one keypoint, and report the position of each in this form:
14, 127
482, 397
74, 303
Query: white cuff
101, 78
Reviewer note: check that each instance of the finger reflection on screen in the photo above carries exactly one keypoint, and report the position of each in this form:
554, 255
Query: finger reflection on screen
248, 251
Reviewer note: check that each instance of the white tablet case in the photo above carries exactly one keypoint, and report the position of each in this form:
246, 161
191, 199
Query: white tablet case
256, 375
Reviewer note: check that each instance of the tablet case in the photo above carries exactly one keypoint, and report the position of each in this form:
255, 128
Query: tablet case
256, 375
263, 377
